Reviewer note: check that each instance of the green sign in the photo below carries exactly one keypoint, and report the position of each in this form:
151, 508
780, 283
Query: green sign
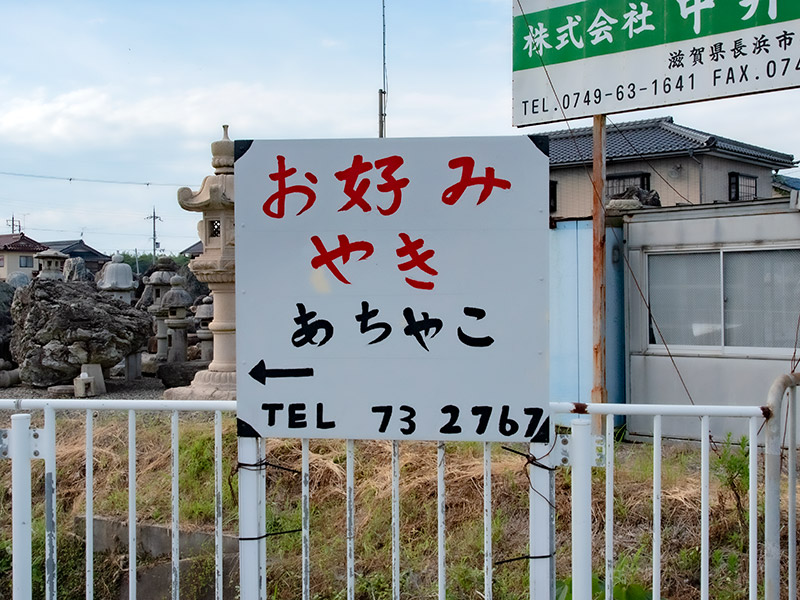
599, 27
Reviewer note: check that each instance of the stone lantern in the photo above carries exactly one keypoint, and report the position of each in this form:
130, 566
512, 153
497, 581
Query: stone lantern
117, 280
203, 317
159, 284
216, 268
177, 302
51, 264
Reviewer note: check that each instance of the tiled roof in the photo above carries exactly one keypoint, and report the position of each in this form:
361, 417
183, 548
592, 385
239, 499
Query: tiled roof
19, 242
792, 183
653, 138
78, 248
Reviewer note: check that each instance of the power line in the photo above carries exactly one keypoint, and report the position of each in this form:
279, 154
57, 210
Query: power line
85, 180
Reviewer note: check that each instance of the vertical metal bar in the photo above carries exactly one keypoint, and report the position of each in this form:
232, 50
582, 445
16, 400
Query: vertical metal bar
704, 506
487, 520
131, 504
218, 539
351, 520
539, 530
250, 524
89, 505
441, 505
656, 508
581, 457
306, 518
21, 587
50, 525
791, 423
753, 510
176, 531
395, 520
609, 506
772, 507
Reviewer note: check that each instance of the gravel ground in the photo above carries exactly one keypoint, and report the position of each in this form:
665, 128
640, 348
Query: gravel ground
148, 388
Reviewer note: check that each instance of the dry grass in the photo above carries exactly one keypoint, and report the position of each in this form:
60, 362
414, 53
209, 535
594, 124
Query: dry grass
464, 476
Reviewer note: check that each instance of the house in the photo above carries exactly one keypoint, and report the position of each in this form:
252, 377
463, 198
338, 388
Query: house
193, 251
684, 165
783, 185
710, 280
79, 249
16, 254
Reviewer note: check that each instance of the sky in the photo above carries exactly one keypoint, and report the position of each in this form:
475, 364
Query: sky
135, 92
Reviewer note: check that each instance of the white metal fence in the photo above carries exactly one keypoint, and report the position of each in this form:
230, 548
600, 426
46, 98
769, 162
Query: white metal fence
21, 445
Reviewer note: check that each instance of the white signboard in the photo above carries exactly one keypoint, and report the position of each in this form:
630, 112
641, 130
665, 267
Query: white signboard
392, 288
577, 59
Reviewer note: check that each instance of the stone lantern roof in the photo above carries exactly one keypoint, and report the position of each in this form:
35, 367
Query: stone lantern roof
51, 254
205, 311
177, 296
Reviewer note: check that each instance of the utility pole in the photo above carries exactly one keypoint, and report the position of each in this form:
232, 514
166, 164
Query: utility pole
155, 217
16, 225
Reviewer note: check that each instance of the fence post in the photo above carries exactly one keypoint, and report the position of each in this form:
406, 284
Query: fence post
252, 531
772, 506
21, 507
50, 524
581, 456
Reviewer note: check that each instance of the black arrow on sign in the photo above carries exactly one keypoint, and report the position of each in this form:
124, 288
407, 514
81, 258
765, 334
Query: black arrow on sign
261, 373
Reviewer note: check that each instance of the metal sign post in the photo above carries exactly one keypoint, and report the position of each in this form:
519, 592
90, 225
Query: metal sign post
599, 391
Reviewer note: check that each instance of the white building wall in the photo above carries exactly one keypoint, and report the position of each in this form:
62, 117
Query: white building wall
712, 374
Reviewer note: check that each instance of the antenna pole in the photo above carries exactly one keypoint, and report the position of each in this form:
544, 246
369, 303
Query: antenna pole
382, 93
381, 113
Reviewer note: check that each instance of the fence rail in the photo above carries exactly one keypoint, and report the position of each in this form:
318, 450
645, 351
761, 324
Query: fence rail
25, 445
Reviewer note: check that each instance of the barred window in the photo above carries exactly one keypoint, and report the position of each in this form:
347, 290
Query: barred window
742, 187
616, 184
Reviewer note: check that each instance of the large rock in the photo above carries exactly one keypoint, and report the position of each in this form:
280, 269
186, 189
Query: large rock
59, 326
75, 269
6, 296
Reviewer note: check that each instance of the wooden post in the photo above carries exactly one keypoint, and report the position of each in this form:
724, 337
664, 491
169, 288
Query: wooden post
599, 392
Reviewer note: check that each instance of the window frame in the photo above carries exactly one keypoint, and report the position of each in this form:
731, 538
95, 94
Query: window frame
643, 177
721, 350
735, 180
29, 259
